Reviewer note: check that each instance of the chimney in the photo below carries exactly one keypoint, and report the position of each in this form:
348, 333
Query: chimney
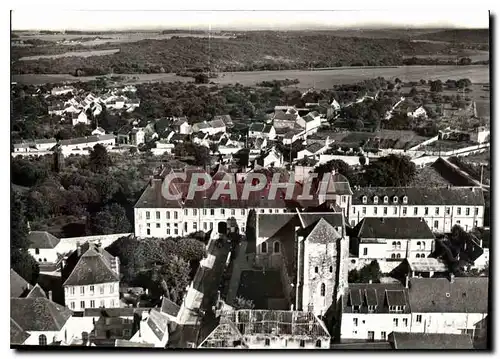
407, 281
78, 249
50, 295
452, 278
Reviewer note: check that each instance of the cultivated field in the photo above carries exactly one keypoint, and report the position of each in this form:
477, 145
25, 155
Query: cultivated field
318, 79
74, 53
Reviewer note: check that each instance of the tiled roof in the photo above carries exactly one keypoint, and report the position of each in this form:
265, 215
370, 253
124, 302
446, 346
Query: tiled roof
37, 292
38, 314
45, 141
169, 307
42, 239
379, 295
17, 335
442, 196
257, 127
314, 147
439, 295
338, 184
431, 341
158, 323
94, 266
323, 232
18, 285
267, 128
113, 312
225, 118
394, 228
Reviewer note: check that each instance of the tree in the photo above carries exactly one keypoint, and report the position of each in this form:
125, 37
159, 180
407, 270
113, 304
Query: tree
111, 219
242, 303
175, 273
362, 160
436, 86
201, 155
18, 223
201, 79
390, 171
370, 272
23, 263
99, 159
423, 82
413, 92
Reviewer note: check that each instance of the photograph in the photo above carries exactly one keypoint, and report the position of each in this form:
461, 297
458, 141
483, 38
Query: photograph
250, 180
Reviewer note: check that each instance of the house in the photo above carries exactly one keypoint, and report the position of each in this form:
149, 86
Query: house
129, 88
419, 112
58, 91
392, 238
228, 122
480, 135
310, 122
449, 305
270, 158
42, 246
80, 117
423, 267
181, 126
131, 136
90, 278
440, 207
116, 102
153, 329
217, 126
430, 341
83, 143
19, 287
202, 127
312, 150
268, 329
372, 311
56, 109
292, 136
165, 146
132, 104
257, 130
39, 321
99, 131
170, 309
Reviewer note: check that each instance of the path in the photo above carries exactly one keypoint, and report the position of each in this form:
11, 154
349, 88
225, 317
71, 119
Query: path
240, 264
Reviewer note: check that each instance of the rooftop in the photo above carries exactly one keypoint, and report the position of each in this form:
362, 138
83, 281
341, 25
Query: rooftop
38, 314
427, 265
394, 228
431, 341
377, 296
42, 239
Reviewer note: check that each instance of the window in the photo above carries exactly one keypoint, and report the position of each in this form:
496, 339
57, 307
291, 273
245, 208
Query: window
82, 304
148, 225
395, 199
233, 212
355, 322
270, 211
419, 245
405, 199
331, 269
148, 215
426, 211
422, 255
467, 211
323, 289
318, 343
175, 215
383, 335
417, 256
276, 247
222, 211
398, 244
185, 212
316, 269
476, 211
42, 340
82, 290
404, 211
101, 303
267, 342
419, 318
211, 225
385, 210
91, 289
168, 231
371, 309
393, 245
157, 225
458, 222
448, 211
398, 256
212, 212
437, 211
436, 224
176, 231
365, 251
204, 212
242, 212
393, 256
72, 290
395, 210
72, 305
386, 199
375, 210
423, 245
459, 211
405, 322
302, 343
371, 335
205, 225
415, 211
364, 210
375, 199
261, 211
111, 288
92, 304
344, 199
37, 251
148, 232
354, 210
157, 214
195, 226
168, 215
395, 322
185, 227
364, 199
195, 212
263, 247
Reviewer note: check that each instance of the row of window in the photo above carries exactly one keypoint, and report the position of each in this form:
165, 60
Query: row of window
395, 322
194, 212
302, 343
92, 304
395, 199
175, 229
415, 211
111, 288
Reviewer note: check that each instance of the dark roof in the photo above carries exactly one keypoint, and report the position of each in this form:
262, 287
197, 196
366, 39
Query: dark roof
314, 147
257, 127
267, 128
94, 266
338, 184
381, 295
422, 195
113, 312
37, 292
439, 295
432, 341
38, 314
224, 118
18, 285
169, 307
17, 335
309, 117
217, 123
42, 239
394, 228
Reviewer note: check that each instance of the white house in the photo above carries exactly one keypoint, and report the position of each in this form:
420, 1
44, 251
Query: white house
202, 127
292, 136
312, 150
373, 311
81, 143
81, 117
153, 329
261, 130
270, 158
440, 207
99, 131
182, 126
90, 278
310, 122
217, 126
418, 112
393, 238
42, 246
58, 91
480, 135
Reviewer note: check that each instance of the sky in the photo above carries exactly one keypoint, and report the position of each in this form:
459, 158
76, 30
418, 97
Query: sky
242, 20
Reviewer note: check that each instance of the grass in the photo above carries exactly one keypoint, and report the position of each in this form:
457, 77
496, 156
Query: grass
259, 287
74, 53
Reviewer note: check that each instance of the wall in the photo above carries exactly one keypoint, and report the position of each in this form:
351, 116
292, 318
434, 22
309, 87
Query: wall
385, 266
285, 342
449, 323
45, 254
350, 160
51, 337
110, 297
376, 322
70, 244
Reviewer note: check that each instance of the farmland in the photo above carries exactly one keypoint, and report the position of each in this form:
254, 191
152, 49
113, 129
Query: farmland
307, 79
73, 53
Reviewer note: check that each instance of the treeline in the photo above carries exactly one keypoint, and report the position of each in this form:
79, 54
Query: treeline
278, 83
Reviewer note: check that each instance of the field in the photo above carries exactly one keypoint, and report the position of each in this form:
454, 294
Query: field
474, 55
307, 79
74, 53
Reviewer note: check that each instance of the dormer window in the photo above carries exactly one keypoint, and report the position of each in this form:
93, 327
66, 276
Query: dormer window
375, 199
386, 199
371, 308
364, 199
395, 199
405, 199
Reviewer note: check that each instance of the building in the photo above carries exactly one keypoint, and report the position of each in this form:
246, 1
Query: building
270, 158
99, 131
312, 150
226, 119
58, 91
90, 277
268, 329
449, 305
42, 246
312, 249
153, 329
310, 122
80, 117
441, 208
19, 287
181, 126
129, 135
202, 127
86, 143
480, 135
392, 238
261, 130
373, 311
217, 126
430, 341
423, 267
419, 112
